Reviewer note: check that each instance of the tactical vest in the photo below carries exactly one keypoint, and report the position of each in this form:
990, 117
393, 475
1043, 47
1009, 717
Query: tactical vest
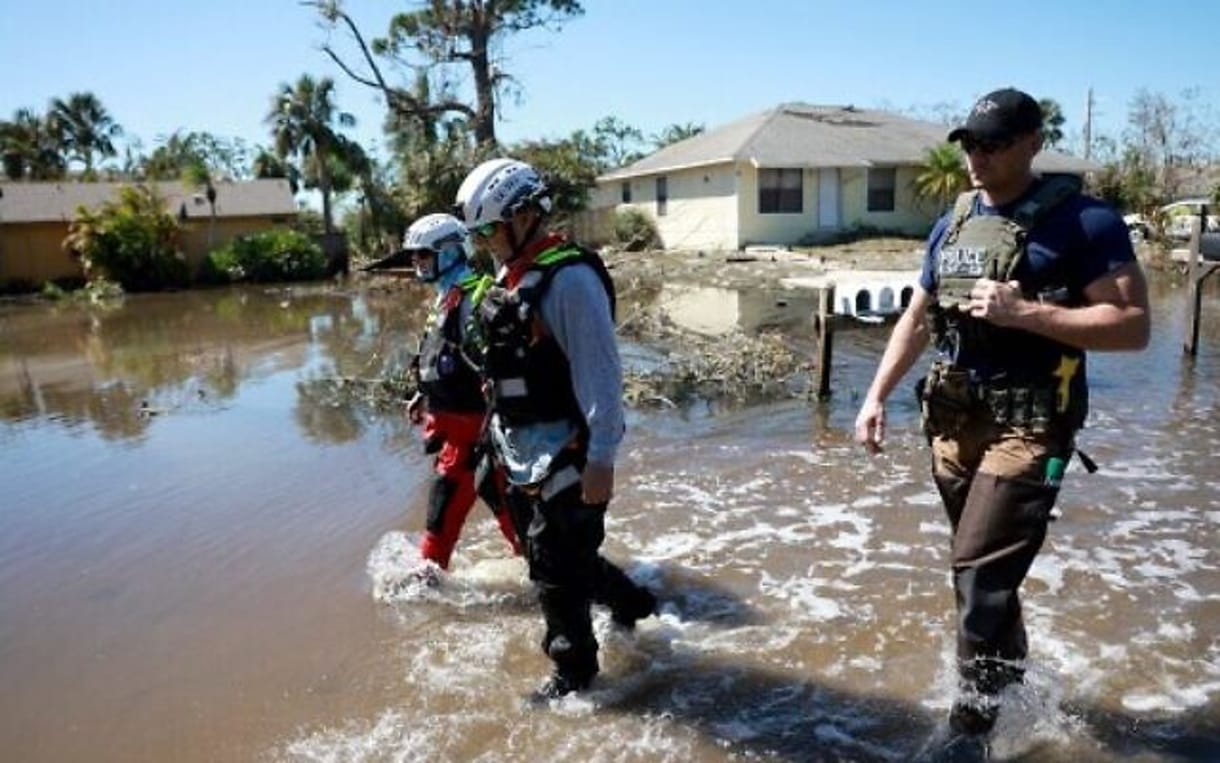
993, 246
446, 375
530, 379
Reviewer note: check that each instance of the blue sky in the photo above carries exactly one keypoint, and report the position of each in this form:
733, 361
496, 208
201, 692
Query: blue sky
160, 66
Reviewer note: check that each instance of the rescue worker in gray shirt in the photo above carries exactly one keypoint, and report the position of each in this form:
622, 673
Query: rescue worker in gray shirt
555, 388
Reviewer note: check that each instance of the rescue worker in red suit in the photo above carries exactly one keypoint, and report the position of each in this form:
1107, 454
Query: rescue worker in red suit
449, 402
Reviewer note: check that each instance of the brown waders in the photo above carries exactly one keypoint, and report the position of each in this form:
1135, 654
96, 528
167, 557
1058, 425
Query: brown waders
998, 484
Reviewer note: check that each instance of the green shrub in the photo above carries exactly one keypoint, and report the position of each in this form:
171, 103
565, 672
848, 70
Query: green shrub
635, 231
131, 240
279, 254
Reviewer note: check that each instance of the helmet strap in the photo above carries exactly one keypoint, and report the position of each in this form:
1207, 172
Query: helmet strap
519, 246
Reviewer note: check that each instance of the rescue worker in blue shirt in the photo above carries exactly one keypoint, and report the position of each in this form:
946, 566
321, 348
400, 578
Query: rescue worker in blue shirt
555, 388
1021, 278
449, 400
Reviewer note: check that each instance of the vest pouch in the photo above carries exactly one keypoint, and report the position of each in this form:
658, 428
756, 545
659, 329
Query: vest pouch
1020, 407
1042, 401
947, 400
999, 404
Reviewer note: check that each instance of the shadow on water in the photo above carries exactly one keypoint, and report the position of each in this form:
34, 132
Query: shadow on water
756, 712
697, 598
1190, 737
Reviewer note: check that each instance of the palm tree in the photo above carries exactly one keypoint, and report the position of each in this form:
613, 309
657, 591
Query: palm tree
86, 128
198, 175
1052, 121
267, 165
29, 147
303, 121
943, 175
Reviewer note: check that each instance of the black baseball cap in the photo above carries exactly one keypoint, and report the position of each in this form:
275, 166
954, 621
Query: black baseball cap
1000, 115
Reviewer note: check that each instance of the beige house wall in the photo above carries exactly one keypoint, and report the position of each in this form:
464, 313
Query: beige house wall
773, 227
701, 211
32, 253
195, 234
717, 208
910, 215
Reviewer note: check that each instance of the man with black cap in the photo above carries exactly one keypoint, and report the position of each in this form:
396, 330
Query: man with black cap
1022, 276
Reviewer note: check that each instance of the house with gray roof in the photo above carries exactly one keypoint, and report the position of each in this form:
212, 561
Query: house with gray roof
34, 220
790, 174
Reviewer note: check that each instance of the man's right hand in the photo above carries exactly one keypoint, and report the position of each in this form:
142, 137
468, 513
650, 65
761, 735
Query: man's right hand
870, 425
415, 408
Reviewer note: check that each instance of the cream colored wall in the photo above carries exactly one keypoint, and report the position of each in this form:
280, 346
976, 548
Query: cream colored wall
775, 228
910, 214
701, 212
32, 253
721, 212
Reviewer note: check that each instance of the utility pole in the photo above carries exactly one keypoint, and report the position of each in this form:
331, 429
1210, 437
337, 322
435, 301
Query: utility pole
1088, 124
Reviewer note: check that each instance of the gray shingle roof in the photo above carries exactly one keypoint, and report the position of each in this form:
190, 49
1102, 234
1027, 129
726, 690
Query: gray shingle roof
803, 135
57, 202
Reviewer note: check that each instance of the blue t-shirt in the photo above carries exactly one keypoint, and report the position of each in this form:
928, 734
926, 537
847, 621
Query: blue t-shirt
1074, 244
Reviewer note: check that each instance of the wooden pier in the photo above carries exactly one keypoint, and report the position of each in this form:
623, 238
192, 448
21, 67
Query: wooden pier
1202, 260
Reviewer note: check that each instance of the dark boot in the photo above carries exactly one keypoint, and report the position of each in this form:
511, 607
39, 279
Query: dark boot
574, 668
639, 604
974, 714
628, 602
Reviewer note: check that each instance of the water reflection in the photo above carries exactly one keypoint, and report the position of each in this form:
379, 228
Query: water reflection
117, 367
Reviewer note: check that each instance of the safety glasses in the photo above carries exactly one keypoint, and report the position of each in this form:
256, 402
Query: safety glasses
970, 145
485, 230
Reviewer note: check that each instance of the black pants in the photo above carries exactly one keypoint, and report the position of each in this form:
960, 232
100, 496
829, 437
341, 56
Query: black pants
562, 536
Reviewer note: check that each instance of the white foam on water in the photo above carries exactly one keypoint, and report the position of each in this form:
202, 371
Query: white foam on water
389, 737
401, 576
801, 596
1172, 698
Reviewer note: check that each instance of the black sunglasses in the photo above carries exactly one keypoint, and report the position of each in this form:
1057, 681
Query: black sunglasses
970, 145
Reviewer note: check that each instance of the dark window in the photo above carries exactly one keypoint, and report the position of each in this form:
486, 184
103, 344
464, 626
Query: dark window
625, 192
780, 191
881, 183
662, 195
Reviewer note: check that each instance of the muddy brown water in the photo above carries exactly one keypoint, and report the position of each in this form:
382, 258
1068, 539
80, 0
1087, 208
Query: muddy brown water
202, 558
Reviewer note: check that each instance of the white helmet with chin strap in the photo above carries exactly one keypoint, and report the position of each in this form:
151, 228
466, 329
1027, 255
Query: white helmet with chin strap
495, 190
442, 236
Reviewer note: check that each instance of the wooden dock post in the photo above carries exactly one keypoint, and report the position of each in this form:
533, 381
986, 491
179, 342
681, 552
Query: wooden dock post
823, 324
1197, 271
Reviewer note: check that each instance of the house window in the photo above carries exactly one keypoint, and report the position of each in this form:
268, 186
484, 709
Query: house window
625, 192
662, 195
881, 184
780, 191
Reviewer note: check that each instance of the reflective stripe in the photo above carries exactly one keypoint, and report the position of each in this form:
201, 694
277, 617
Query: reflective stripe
514, 387
559, 481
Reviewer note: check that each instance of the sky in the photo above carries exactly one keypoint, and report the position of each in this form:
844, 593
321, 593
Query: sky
159, 67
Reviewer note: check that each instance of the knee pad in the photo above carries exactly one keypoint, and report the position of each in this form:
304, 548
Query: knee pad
439, 495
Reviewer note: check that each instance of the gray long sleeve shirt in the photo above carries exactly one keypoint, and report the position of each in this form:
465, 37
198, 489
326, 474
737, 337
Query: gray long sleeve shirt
576, 312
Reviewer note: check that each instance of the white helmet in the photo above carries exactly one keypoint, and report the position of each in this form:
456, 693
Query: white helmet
496, 189
441, 235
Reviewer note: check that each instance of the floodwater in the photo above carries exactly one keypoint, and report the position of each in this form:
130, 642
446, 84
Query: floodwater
203, 558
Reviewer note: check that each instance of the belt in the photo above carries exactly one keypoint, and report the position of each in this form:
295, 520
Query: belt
554, 484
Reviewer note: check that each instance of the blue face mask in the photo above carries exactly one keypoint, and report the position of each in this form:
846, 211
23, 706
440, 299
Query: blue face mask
444, 269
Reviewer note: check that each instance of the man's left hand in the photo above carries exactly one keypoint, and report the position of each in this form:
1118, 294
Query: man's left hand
996, 302
597, 483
